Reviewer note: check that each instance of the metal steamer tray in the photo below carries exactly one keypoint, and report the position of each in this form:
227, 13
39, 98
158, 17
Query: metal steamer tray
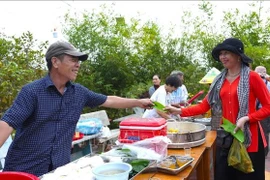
176, 170
205, 121
188, 144
187, 134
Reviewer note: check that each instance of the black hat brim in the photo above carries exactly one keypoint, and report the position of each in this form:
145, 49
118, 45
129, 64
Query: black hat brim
227, 47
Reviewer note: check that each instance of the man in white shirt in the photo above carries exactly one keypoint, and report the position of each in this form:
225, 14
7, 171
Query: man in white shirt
163, 96
181, 94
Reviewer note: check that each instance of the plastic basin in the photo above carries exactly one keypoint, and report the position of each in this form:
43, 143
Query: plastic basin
100, 171
17, 176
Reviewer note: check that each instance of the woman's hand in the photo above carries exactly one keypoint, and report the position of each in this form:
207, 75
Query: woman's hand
240, 123
173, 110
176, 105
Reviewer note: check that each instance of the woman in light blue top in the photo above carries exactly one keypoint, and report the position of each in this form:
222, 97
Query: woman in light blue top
180, 95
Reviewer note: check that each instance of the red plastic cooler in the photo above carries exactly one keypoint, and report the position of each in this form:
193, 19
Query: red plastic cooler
136, 129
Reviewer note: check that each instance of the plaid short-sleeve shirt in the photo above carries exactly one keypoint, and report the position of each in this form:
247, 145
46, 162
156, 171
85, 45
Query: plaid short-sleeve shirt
45, 121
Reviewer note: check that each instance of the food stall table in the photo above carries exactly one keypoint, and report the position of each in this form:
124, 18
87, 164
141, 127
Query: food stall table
209, 154
86, 138
196, 153
202, 162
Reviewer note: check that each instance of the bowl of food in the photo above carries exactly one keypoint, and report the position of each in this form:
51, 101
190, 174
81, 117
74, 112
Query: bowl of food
112, 171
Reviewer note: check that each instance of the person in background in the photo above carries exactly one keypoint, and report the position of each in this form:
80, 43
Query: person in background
156, 84
46, 111
232, 95
163, 96
261, 70
181, 94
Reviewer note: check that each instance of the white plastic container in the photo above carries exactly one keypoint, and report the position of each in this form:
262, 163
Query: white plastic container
100, 171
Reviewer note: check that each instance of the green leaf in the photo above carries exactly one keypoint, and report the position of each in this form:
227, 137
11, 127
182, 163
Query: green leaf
229, 127
125, 150
159, 106
139, 164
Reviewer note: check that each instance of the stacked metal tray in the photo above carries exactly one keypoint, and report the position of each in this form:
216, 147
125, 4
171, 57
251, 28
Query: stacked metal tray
205, 121
175, 171
187, 144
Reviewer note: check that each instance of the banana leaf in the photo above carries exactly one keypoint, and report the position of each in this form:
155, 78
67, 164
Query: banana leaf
159, 106
229, 127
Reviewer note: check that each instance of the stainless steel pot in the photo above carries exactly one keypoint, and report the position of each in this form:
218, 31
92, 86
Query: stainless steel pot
187, 132
205, 121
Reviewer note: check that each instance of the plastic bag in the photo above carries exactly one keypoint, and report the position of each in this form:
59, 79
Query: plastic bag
106, 132
143, 153
154, 148
239, 158
89, 126
158, 144
120, 151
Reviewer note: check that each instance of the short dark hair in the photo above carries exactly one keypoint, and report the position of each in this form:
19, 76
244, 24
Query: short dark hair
157, 75
49, 61
173, 80
179, 73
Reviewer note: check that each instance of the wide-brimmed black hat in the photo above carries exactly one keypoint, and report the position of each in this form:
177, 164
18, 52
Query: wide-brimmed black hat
233, 45
63, 47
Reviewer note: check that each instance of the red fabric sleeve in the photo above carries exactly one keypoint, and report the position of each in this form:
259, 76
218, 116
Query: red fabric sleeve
196, 109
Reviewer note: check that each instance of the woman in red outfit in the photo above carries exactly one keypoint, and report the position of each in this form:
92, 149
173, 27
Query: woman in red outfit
232, 95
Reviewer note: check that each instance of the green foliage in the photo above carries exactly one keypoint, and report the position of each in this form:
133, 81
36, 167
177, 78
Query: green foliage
123, 56
125, 53
253, 30
203, 34
20, 63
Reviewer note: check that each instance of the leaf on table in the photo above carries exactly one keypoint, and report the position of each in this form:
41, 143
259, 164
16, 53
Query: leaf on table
139, 164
